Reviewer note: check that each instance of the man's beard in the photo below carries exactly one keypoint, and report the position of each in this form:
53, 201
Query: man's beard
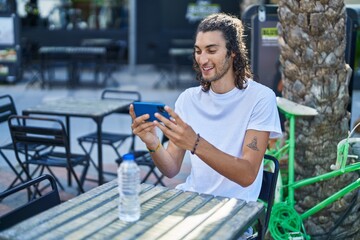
224, 69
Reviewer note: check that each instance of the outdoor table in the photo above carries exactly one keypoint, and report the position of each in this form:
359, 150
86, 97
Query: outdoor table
96, 109
73, 56
166, 213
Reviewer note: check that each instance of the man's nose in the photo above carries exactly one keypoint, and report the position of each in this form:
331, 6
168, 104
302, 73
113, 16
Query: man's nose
203, 58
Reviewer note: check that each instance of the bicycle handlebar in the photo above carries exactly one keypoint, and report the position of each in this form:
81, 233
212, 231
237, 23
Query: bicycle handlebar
343, 150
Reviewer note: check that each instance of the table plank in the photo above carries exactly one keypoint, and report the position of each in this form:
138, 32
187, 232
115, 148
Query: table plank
216, 221
168, 207
92, 223
176, 212
151, 201
105, 215
241, 218
78, 107
194, 218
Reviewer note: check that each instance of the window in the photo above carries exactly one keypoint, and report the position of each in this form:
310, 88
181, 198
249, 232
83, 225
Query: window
75, 14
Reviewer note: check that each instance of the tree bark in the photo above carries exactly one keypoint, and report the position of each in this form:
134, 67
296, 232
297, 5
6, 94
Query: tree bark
312, 39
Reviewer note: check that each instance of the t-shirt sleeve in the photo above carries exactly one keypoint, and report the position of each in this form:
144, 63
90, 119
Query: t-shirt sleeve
265, 115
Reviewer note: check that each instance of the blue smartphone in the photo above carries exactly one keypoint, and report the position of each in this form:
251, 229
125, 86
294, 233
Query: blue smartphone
150, 108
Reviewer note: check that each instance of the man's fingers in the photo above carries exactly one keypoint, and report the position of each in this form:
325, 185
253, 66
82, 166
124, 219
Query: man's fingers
142, 118
174, 115
141, 127
131, 112
164, 128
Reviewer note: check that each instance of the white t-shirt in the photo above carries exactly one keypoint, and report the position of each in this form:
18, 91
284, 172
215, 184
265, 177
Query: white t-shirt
222, 120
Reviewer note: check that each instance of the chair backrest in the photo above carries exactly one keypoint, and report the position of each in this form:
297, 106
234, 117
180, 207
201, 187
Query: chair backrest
268, 187
28, 130
120, 95
7, 108
37, 204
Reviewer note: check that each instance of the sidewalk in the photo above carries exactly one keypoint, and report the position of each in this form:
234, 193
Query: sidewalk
26, 95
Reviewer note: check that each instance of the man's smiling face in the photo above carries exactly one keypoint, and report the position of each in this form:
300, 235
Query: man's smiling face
211, 55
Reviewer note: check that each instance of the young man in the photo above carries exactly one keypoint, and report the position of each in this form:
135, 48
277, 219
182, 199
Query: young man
225, 122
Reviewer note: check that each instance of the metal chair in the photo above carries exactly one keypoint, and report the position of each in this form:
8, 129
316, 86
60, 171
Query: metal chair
36, 204
7, 108
268, 188
114, 140
26, 130
143, 158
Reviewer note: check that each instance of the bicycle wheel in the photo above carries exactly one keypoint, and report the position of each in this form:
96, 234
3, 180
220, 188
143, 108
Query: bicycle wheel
284, 220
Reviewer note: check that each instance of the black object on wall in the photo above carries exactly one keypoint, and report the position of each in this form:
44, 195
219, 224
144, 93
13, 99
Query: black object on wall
265, 54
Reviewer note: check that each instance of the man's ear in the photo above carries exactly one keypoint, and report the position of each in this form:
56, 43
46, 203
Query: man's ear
232, 54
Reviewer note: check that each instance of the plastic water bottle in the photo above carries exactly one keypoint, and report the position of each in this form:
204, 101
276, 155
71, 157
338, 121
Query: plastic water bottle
129, 188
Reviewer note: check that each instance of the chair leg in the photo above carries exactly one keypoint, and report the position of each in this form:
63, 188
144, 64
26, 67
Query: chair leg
69, 178
89, 153
85, 170
22, 180
90, 148
116, 149
29, 193
72, 171
159, 179
147, 175
12, 184
17, 174
56, 179
92, 144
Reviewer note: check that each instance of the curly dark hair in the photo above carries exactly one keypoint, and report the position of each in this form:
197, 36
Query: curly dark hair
232, 29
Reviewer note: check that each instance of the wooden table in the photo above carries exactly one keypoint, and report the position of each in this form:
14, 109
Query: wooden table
165, 214
96, 109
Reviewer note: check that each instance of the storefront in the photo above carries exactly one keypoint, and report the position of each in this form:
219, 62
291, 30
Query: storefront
71, 23
147, 28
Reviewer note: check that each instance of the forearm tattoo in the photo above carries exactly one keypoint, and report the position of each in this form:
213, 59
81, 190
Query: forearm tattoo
253, 144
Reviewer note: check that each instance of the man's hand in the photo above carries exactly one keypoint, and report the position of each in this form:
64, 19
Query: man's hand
143, 129
177, 131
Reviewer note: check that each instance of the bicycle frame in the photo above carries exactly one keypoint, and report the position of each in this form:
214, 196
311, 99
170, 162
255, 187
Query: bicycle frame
341, 167
291, 161
285, 221
323, 177
338, 169
288, 108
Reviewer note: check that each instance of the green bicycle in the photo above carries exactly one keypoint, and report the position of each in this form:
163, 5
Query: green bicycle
285, 221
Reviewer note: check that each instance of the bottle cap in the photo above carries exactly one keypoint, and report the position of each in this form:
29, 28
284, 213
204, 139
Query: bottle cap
128, 156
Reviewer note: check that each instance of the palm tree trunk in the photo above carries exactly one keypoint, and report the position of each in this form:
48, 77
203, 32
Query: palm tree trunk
312, 53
